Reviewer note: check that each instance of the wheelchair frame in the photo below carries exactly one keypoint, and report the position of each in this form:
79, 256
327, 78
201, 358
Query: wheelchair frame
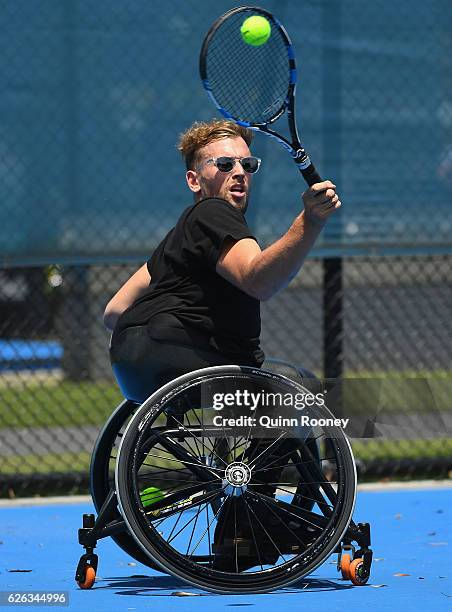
131, 535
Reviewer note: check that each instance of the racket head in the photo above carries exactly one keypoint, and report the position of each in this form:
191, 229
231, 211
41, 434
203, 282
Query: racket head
253, 85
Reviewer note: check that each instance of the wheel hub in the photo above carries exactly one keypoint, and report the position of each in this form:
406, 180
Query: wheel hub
237, 476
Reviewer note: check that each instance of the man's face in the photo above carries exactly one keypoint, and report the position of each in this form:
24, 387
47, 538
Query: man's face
206, 181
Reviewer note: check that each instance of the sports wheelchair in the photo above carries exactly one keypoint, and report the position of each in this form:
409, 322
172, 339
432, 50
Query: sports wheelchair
222, 507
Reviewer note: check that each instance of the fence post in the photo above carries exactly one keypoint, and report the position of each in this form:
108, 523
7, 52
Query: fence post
333, 352
74, 323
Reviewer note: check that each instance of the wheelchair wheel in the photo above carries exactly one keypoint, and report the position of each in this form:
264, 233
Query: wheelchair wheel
103, 457
233, 521
102, 470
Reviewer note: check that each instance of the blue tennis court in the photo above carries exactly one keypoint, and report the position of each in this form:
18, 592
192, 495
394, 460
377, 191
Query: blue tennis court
411, 529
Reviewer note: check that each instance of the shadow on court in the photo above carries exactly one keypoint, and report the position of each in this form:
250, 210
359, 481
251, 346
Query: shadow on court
154, 585
411, 540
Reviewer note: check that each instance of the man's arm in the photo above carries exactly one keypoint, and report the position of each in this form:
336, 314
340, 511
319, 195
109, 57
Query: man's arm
126, 296
261, 274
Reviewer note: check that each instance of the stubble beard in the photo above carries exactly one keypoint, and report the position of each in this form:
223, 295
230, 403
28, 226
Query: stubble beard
226, 195
242, 206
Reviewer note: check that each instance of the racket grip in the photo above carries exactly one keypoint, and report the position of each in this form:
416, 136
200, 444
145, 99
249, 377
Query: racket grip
310, 175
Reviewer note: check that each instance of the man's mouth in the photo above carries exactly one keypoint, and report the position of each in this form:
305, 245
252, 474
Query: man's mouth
238, 190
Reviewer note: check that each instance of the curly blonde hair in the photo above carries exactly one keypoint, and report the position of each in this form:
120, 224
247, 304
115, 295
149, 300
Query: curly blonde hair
201, 134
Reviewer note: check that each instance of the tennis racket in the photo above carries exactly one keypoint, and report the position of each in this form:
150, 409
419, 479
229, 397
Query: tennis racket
254, 85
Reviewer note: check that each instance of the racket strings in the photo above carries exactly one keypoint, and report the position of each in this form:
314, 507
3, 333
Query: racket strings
250, 83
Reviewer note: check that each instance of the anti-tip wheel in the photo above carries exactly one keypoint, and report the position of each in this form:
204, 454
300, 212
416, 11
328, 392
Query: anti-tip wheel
345, 566
90, 577
358, 575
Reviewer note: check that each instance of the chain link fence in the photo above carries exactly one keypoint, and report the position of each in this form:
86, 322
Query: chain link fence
94, 98
96, 94
57, 389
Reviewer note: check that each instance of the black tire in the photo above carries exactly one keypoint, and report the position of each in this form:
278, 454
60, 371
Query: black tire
102, 479
101, 473
188, 450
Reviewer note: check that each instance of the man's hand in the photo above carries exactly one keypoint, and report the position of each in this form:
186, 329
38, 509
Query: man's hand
320, 201
261, 274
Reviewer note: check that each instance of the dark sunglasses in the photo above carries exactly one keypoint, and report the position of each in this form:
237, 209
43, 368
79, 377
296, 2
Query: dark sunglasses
226, 164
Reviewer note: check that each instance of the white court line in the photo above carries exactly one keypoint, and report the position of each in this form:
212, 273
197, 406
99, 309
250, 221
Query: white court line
404, 486
367, 487
45, 501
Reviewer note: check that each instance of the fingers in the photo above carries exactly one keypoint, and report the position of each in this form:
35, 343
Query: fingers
334, 201
321, 200
325, 210
326, 197
319, 188
325, 193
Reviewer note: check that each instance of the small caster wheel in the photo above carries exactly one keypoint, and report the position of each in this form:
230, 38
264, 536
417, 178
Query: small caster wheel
90, 576
345, 566
358, 575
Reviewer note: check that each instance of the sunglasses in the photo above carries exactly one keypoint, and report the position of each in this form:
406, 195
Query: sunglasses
226, 164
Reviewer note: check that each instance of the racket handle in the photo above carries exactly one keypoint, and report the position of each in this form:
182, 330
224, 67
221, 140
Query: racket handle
310, 175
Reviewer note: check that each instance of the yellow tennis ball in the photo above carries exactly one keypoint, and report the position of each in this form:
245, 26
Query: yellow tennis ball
151, 495
255, 30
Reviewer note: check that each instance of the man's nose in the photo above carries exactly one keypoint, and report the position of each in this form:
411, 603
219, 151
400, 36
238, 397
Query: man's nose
238, 169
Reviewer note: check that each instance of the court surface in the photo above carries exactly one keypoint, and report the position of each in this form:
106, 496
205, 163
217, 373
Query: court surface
411, 540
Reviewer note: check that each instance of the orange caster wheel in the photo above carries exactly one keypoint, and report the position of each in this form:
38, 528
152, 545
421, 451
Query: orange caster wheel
358, 575
345, 566
90, 576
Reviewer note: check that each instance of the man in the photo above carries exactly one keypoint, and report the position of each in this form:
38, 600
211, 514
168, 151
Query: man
195, 303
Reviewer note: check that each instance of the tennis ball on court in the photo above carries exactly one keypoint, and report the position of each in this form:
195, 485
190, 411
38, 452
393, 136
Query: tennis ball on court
255, 30
151, 495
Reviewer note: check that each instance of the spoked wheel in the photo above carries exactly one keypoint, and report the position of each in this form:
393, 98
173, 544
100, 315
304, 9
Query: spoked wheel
240, 510
102, 472
103, 458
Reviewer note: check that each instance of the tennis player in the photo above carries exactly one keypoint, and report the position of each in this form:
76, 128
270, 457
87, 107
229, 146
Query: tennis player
196, 302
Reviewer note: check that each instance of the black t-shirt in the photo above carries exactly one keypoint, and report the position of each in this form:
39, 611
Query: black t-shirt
187, 301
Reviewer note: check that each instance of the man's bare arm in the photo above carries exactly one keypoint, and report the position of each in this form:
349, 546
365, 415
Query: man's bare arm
261, 274
126, 296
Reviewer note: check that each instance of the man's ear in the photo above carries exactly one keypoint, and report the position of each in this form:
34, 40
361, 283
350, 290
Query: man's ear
193, 181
